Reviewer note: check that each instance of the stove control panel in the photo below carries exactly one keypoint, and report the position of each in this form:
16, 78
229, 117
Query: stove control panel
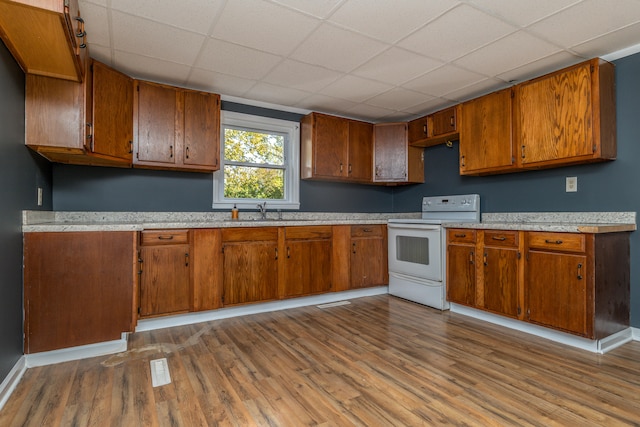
460, 207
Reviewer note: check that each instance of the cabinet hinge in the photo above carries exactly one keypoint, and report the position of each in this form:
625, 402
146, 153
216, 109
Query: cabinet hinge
519, 311
594, 148
592, 68
513, 93
139, 310
222, 299
223, 249
519, 255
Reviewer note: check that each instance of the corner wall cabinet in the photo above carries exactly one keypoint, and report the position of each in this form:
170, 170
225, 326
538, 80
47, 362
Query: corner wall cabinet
434, 129
395, 162
48, 39
573, 282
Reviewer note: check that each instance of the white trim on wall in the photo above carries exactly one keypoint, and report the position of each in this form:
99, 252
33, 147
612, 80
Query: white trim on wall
11, 381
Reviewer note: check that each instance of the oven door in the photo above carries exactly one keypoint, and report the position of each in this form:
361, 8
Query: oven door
416, 250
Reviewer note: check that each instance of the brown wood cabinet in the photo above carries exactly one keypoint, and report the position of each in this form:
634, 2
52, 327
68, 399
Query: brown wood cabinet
206, 259
307, 262
461, 266
175, 128
499, 285
368, 260
78, 288
87, 123
434, 129
47, 38
334, 148
165, 272
567, 117
486, 135
395, 162
250, 265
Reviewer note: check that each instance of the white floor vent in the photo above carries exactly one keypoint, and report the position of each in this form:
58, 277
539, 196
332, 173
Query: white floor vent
333, 304
160, 372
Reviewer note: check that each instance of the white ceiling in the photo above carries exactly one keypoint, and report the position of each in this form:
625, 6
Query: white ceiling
376, 60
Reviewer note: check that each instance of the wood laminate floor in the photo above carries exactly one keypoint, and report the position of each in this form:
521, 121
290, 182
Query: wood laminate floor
379, 361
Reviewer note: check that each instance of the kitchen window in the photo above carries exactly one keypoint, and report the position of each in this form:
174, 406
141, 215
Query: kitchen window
259, 163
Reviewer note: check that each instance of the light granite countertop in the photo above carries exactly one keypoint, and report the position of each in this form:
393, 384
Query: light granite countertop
48, 221
564, 222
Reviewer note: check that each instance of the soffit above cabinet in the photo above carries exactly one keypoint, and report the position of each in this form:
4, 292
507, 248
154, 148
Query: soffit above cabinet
385, 63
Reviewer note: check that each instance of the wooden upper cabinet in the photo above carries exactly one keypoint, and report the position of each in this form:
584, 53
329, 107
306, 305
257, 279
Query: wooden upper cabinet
568, 116
360, 164
45, 37
175, 128
394, 161
436, 128
110, 114
486, 141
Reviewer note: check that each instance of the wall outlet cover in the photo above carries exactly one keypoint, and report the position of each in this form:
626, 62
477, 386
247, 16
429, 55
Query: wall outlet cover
571, 184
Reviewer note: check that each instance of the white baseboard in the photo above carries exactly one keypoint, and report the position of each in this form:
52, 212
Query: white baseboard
225, 313
11, 381
594, 346
76, 353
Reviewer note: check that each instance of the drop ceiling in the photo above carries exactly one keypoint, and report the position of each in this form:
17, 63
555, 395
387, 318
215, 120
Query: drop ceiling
375, 60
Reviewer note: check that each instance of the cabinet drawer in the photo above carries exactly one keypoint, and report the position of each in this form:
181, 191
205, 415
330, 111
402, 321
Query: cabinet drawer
249, 234
501, 238
557, 241
311, 232
461, 235
164, 237
367, 230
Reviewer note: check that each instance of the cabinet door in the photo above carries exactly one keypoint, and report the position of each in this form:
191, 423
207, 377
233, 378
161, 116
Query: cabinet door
486, 135
555, 116
158, 121
368, 262
78, 288
444, 122
201, 130
556, 291
165, 279
360, 151
111, 125
391, 152
308, 267
250, 272
417, 130
461, 276
500, 280
330, 146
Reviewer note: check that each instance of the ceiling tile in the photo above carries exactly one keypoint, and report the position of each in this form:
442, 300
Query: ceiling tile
508, 53
368, 113
396, 66
235, 60
386, 21
587, 20
397, 99
219, 83
97, 24
337, 49
263, 26
522, 12
192, 15
355, 89
444, 80
477, 89
456, 33
83, 3
102, 54
318, 8
429, 106
302, 76
276, 94
326, 104
148, 38
153, 69
542, 66
610, 42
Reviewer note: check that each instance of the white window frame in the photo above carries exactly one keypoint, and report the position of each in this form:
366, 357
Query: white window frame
291, 199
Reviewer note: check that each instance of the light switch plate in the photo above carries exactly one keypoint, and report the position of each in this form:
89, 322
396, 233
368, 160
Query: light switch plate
572, 184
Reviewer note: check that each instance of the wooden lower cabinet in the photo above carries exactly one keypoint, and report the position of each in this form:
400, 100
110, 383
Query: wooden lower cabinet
78, 288
250, 265
307, 261
573, 282
165, 272
461, 271
368, 258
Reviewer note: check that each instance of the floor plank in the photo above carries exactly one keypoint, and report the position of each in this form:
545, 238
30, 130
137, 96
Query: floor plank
378, 361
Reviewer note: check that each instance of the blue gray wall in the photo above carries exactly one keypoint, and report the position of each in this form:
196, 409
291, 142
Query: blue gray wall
609, 186
21, 172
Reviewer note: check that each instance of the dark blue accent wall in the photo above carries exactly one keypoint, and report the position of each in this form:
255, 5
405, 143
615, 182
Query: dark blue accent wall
21, 172
602, 187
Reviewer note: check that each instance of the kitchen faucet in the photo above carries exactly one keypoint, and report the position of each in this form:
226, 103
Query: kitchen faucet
263, 210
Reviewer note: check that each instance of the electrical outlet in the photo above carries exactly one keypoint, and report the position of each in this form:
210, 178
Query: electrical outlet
39, 196
572, 184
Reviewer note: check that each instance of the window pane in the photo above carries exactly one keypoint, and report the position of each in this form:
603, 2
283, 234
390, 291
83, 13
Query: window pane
242, 182
253, 147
